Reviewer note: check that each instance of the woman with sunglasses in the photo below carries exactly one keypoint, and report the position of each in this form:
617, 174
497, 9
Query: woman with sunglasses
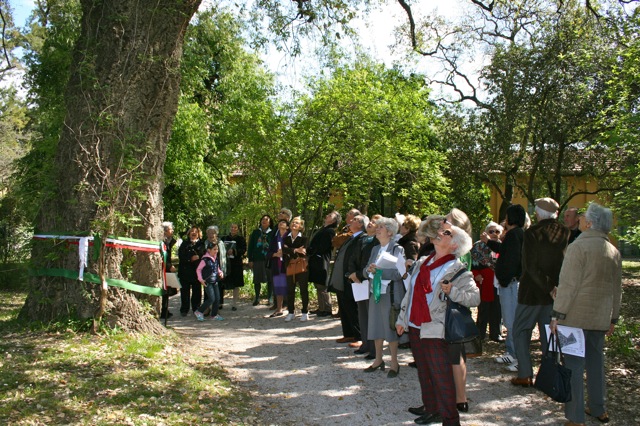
483, 263
422, 315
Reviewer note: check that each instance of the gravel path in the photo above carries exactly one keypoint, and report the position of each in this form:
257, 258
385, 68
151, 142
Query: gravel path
300, 375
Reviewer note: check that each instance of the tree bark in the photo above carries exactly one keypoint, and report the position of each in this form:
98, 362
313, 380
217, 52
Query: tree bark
121, 101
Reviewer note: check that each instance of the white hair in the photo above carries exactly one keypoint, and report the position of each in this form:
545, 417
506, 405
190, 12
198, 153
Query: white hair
493, 225
167, 225
390, 224
462, 240
543, 214
601, 218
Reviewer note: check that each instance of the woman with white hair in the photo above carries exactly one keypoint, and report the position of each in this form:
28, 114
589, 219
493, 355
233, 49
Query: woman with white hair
387, 288
423, 314
589, 296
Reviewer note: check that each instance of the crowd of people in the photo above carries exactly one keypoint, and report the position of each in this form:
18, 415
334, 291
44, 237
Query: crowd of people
392, 278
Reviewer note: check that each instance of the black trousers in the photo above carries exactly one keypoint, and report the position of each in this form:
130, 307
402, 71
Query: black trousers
489, 313
190, 295
348, 314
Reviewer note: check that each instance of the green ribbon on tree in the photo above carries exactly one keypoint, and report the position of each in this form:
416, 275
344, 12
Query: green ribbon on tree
93, 278
377, 285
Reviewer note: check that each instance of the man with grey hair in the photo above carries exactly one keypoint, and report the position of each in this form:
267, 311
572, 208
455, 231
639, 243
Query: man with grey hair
542, 255
589, 298
340, 284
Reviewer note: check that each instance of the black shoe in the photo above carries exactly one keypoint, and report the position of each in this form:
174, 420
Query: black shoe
360, 352
255, 302
316, 312
323, 314
183, 314
428, 419
418, 411
233, 308
413, 364
463, 407
166, 315
370, 356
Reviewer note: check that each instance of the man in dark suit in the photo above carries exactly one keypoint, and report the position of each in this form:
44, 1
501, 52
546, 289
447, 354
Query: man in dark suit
542, 256
319, 255
341, 284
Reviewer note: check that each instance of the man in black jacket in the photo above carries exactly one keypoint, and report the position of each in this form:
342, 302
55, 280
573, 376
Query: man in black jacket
319, 255
508, 271
341, 284
542, 256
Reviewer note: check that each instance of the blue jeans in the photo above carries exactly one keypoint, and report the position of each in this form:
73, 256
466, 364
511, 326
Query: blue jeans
508, 304
213, 299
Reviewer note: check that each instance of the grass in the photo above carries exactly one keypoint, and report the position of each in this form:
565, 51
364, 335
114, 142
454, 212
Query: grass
55, 375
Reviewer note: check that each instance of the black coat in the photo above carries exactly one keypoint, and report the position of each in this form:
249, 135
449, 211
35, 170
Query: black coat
509, 263
542, 256
319, 254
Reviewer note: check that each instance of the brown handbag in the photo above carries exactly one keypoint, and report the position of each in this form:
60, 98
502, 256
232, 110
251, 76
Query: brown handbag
297, 266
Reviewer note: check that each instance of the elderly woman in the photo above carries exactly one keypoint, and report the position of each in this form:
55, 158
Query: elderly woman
457, 351
387, 288
483, 263
423, 314
589, 296
295, 247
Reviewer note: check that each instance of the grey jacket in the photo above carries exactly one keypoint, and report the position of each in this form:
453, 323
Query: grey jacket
590, 290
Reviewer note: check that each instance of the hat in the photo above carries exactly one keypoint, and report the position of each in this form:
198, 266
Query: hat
547, 204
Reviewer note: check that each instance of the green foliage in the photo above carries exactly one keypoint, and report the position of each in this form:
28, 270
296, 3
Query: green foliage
363, 134
224, 103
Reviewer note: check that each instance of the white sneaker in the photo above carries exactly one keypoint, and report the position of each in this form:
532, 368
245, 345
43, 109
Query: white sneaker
505, 359
512, 367
304, 317
289, 317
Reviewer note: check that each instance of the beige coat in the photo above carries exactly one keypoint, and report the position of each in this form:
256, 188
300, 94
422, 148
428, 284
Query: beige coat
463, 291
590, 288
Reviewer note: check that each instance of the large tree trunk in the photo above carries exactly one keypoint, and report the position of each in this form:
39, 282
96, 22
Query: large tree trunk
121, 101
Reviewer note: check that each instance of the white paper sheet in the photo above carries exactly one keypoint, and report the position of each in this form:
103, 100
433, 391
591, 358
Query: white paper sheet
172, 280
571, 340
360, 290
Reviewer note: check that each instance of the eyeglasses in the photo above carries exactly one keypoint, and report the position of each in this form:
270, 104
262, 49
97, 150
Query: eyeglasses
446, 232
445, 221
493, 231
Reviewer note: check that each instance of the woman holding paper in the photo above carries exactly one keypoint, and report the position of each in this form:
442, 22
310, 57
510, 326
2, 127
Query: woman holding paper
387, 288
588, 297
422, 315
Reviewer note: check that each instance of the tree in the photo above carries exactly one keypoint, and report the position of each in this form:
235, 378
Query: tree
364, 134
226, 101
120, 103
543, 108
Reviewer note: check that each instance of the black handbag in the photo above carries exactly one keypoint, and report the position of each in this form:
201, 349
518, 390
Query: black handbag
553, 378
459, 327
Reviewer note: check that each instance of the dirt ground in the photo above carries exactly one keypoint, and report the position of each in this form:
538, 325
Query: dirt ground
299, 375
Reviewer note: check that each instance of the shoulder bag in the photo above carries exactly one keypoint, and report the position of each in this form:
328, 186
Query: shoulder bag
553, 378
459, 327
297, 266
